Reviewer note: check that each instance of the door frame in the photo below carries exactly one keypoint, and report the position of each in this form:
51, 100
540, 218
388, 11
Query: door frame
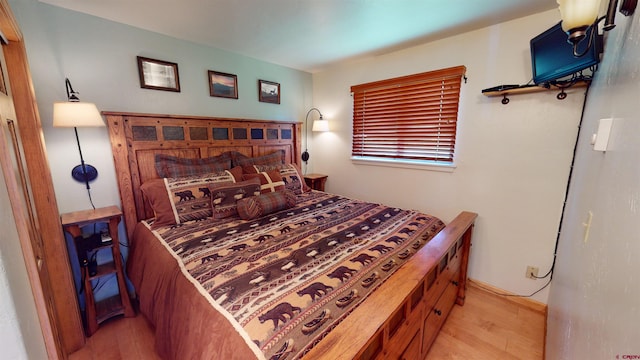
54, 293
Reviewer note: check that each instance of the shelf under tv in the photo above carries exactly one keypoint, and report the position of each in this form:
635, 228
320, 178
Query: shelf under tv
534, 89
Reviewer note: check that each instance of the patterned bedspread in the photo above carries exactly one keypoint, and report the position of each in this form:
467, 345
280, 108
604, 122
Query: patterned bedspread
290, 277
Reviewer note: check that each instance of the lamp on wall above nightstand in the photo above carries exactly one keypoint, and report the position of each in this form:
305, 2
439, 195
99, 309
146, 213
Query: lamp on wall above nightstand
318, 125
74, 113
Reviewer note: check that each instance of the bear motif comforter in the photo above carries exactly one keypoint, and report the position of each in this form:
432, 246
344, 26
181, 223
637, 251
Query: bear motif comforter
271, 287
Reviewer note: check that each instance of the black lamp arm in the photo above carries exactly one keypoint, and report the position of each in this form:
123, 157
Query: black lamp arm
83, 173
72, 96
305, 154
84, 167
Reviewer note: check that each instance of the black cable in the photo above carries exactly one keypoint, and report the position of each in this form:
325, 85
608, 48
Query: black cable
98, 284
564, 205
566, 194
82, 277
93, 288
90, 199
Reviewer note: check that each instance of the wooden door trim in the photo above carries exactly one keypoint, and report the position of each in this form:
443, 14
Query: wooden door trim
62, 325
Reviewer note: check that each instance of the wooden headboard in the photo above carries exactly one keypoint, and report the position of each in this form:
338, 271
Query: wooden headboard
137, 138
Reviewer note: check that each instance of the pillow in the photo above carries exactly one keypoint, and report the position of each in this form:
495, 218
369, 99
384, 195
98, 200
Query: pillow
257, 206
270, 181
155, 192
168, 166
224, 196
275, 158
175, 200
290, 173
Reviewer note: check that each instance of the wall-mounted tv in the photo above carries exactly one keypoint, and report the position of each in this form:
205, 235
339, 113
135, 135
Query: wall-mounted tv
552, 56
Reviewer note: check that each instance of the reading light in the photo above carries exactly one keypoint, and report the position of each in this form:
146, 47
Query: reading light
74, 113
318, 125
580, 16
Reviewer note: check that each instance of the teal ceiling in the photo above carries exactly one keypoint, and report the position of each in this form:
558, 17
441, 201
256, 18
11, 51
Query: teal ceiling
304, 34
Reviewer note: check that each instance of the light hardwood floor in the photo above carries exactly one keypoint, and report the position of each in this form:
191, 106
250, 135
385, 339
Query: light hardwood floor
487, 327
490, 326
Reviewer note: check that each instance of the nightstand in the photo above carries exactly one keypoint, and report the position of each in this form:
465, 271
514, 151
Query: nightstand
315, 181
97, 312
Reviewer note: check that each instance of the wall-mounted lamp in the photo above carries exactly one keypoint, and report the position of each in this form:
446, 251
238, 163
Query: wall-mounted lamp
74, 113
318, 125
580, 17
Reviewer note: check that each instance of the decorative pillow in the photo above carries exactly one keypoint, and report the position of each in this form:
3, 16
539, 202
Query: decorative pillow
275, 158
157, 196
257, 206
224, 196
290, 173
168, 166
270, 181
175, 200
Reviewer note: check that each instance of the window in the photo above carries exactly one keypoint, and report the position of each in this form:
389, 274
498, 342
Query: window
408, 118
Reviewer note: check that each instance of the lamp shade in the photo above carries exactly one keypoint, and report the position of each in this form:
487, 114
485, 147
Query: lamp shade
320, 125
76, 114
578, 13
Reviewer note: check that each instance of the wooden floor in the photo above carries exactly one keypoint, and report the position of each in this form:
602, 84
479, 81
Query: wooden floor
487, 327
490, 326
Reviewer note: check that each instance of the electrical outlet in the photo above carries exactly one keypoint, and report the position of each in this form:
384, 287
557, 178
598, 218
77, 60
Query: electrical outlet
532, 272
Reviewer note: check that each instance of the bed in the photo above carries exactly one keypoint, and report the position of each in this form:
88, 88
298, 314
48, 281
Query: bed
283, 272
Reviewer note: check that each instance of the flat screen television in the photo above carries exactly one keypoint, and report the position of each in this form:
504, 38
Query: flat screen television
552, 56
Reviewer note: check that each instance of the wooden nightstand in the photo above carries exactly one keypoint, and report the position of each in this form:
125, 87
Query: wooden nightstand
315, 181
98, 312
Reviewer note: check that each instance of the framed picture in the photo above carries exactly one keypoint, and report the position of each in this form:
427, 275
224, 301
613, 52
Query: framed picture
223, 85
158, 74
268, 92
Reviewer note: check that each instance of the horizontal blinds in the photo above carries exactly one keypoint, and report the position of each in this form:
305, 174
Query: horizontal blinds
410, 117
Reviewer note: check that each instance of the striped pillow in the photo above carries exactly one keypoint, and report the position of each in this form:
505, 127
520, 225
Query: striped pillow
257, 206
173, 167
275, 158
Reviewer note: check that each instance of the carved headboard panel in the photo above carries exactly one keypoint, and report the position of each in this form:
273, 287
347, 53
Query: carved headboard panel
137, 138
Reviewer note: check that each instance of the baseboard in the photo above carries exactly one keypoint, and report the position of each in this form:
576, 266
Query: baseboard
525, 302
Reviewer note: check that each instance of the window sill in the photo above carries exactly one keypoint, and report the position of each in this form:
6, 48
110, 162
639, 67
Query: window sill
407, 164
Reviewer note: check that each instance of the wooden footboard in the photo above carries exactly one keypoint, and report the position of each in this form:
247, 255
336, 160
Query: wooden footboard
402, 318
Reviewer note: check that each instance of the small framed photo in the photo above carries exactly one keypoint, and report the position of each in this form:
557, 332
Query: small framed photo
158, 74
268, 92
223, 85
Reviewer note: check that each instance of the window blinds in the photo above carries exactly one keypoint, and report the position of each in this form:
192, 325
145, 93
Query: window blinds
410, 117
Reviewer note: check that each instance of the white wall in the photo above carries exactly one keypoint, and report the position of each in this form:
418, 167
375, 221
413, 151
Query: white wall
512, 161
593, 305
99, 58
